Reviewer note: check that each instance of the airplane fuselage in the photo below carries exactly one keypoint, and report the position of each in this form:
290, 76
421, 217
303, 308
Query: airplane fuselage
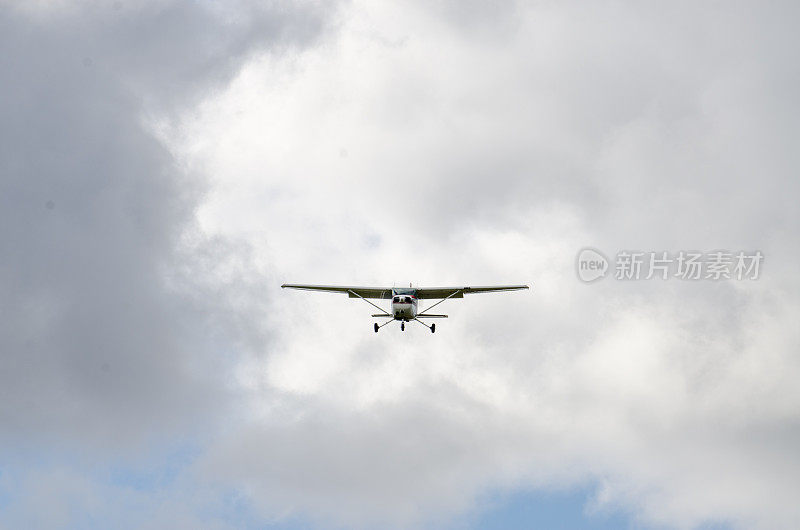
404, 304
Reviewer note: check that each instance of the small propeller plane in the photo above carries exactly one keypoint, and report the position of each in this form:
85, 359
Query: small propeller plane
405, 299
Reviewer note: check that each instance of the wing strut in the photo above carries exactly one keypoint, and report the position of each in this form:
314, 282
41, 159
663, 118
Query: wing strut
382, 310
439, 302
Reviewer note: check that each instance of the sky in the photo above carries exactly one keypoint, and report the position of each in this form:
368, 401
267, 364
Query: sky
165, 165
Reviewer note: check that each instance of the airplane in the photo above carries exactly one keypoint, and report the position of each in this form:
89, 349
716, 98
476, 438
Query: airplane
405, 300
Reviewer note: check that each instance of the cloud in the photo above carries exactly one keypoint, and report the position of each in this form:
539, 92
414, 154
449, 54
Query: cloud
410, 150
104, 348
167, 166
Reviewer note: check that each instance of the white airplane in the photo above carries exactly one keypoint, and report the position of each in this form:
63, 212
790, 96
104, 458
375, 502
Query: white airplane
405, 299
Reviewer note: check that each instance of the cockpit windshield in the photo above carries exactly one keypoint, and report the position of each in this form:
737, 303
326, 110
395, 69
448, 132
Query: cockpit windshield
404, 291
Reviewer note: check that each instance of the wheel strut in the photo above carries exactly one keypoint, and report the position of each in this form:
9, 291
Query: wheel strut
432, 327
377, 327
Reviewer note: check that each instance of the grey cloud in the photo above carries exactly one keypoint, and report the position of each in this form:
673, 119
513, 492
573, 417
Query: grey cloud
641, 112
101, 342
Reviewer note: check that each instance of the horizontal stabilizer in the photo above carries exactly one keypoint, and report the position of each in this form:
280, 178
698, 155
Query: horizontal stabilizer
428, 315
386, 315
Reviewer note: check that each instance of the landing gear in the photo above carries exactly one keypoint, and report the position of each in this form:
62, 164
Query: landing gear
376, 327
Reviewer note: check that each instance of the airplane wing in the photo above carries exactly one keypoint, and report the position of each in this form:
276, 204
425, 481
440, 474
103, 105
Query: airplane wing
424, 293
363, 292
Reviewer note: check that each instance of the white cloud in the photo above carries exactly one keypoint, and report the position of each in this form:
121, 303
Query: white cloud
409, 147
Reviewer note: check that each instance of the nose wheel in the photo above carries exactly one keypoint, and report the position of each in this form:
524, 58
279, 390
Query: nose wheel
402, 326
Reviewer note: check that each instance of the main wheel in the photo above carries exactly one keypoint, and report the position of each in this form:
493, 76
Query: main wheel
402, 326
376, 327
433, 328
